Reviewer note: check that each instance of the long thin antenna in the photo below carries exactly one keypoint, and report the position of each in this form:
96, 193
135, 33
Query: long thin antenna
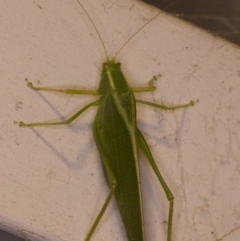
95, 28
144, 26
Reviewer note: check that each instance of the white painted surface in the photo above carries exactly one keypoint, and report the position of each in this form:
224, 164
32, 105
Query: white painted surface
51, 179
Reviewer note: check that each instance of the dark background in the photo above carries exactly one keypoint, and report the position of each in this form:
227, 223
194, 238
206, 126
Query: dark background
219, 17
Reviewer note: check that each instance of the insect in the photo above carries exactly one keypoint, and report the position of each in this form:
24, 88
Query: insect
119, 140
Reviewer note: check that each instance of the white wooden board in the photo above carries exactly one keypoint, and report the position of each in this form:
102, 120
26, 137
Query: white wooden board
52, 184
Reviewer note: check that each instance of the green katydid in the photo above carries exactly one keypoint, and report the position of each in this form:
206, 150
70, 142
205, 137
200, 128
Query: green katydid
119, 149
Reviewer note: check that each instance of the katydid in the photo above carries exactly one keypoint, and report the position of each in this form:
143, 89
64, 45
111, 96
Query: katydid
118, 140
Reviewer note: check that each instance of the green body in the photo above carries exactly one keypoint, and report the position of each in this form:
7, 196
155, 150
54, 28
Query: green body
115, 134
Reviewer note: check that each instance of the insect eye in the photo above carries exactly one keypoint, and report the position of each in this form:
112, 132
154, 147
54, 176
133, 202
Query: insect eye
104, 65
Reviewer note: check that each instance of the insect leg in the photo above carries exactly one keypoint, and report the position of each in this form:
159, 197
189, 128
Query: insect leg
111, 179
65, 91
149, 88
109, 197
68, 121
147, 153
164, 107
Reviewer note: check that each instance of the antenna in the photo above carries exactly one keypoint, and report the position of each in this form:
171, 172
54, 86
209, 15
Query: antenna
94, 28
144, 25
